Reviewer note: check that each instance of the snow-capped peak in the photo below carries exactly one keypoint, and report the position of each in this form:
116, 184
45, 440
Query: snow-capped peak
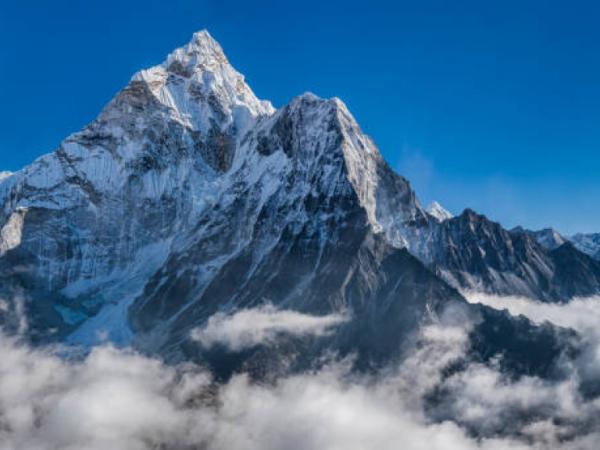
439, 212
201, 52
197, 83
5, 174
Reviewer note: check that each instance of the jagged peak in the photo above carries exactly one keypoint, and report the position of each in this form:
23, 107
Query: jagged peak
355, 144
310, 98
386, 196
308, 95
471, 215
201, 53
197, 78
203, 38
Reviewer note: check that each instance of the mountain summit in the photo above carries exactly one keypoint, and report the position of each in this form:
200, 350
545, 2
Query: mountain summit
196, 71
189, 196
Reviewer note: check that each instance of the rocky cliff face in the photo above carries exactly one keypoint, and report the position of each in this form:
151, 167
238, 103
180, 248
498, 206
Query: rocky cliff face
188, 196
475, 253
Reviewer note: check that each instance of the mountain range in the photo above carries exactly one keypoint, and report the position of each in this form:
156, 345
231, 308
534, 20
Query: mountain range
188, 196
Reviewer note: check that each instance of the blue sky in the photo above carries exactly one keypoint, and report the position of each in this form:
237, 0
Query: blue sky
489, 105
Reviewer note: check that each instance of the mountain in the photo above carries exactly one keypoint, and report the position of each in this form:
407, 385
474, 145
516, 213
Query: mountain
189, 196
473, 253
92, 221
587, 243
552, 239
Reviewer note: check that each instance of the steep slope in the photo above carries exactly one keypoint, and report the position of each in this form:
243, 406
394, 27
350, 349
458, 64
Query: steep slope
472, 252
87, 224
548, 238
575, 273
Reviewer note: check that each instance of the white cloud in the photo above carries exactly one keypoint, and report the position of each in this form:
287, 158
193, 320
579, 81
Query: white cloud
581, 314
249, 327
119, 399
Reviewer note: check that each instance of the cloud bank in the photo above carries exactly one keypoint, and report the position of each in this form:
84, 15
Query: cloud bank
119, 399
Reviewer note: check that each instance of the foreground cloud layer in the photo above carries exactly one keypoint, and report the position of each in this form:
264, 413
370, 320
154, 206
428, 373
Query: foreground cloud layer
119, 399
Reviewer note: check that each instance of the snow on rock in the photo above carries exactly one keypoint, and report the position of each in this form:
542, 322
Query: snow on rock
197, 84
438, 212
587, 243
11, 233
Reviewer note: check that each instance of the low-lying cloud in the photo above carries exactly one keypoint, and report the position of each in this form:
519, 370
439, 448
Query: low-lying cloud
581, 314
119, 399
247, 328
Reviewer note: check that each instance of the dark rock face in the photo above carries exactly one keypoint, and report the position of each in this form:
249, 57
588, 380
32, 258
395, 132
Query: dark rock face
475, 253
576, 274
527, 349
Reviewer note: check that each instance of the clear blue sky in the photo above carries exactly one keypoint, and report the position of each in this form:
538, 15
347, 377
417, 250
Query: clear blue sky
491, 105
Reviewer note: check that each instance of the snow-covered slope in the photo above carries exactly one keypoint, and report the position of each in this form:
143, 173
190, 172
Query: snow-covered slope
109, 201
587, 243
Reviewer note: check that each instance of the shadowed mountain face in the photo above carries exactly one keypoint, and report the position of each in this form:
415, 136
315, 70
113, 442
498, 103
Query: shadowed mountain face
189, 196
475, 253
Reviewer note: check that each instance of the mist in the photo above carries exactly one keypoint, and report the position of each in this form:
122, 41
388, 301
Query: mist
262, 325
